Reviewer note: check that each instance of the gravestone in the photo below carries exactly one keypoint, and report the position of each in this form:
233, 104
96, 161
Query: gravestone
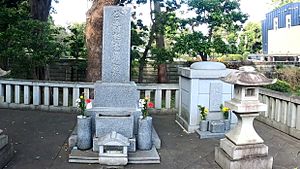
115, 90
115, 106
200, 84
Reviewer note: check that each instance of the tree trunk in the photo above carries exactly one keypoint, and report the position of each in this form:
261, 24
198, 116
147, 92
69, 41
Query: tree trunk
160, 43
40, 9
94, 29
143, 61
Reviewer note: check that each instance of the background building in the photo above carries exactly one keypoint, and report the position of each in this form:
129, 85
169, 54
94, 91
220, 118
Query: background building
281, 32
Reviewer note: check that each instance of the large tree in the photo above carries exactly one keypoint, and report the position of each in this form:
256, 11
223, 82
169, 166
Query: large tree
216, 14
251, 38
40, 9
94, 29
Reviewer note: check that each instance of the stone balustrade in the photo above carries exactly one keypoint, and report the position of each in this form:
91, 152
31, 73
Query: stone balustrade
61, 96
283, 111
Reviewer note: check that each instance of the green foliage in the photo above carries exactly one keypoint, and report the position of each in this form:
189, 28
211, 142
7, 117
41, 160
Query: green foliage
280, 86
251, 38
232, 57
280, 3
191, 44
29, 45
162, 55
218, 13
223, 19
291, 75
76, 40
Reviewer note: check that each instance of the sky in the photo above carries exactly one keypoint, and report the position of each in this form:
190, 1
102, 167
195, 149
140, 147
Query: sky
73, 11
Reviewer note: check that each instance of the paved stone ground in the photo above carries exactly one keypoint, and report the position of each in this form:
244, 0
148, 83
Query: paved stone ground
39, 139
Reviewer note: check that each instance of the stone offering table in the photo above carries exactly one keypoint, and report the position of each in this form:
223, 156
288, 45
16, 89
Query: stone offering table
242, 147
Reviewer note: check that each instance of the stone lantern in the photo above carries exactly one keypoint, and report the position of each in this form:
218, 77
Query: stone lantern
242, 147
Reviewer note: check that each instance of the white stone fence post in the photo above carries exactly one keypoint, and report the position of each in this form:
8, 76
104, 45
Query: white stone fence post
61, 95
283, 111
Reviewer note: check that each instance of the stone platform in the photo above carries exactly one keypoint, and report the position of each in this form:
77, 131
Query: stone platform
6, 150
138, 157
208, 134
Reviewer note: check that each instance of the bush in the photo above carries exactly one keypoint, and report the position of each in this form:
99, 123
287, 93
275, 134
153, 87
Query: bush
280, 86
291, 75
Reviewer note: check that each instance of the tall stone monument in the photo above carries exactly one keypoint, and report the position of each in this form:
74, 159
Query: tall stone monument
115, 92
115, 110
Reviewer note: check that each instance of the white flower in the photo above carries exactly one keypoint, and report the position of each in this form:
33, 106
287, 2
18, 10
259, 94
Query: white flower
142, 103
89, 105
78, 101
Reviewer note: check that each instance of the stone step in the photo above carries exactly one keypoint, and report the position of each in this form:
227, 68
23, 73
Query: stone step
3, 141
138, 157
208, 134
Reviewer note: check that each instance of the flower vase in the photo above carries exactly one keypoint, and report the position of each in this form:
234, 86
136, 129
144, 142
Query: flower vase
203, 125
84, 132
144, 137
227, 124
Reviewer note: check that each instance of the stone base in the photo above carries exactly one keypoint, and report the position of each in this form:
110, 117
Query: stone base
3, 141
120, 124
155, 139
113, 160
185, 125
208, 134
6, 154
240, 152
123, 95
226, 162
138, 157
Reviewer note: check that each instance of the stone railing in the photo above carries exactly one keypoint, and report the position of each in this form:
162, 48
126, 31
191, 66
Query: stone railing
283, 111
61, 96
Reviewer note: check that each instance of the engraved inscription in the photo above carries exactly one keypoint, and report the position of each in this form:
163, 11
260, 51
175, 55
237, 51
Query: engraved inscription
215, 96
116, 42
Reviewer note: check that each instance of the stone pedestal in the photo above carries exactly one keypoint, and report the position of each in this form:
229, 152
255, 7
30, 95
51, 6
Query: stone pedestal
200, 84
122, 95
243, 148
121, 124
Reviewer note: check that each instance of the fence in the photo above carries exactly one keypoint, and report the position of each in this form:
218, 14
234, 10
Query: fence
61, 96
283, 111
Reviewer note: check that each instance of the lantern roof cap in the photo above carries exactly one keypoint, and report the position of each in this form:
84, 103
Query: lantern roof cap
247, 76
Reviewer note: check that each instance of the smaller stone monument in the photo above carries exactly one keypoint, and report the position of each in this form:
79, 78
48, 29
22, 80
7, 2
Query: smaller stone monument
242, 147
200, 84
